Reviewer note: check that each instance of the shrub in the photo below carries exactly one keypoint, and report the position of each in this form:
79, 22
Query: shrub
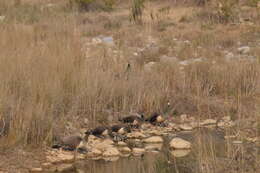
137, 10
88, 5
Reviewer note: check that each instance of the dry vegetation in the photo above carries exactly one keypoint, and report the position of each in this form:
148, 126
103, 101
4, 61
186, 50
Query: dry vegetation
51, 80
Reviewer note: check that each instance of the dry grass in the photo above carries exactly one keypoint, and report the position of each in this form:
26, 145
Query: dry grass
48, 83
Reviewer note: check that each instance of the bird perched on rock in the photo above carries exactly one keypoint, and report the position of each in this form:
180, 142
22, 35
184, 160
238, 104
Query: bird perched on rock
70, 143
155, 119
100, 132
121, 129
116, 137
133, 120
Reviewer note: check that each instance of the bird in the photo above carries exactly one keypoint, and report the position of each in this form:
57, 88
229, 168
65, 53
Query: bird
121, 129
155, 118
133, 120
70, 143
101, 131
116, 137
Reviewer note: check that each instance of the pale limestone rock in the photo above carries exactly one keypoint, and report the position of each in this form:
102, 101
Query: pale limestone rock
178, 143
124, 149
185, 127
111, 152
121, 143
154, 139
208, 122
33, 170
136, 135
138, 151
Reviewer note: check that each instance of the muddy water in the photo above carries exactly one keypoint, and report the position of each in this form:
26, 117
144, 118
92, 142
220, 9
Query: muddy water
210, 153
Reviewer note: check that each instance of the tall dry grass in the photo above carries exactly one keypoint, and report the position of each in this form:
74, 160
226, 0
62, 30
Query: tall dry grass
47, 83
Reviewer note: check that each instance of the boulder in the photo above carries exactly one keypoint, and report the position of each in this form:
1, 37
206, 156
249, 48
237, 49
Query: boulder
60, 156
154, 139
102, 146
124, 149
138, 151
244, 49
178, 143
111, 152
46, 165
136, 135
120, 143
94, 153
185, 127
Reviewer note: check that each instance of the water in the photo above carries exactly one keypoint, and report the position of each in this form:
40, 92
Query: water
210, 153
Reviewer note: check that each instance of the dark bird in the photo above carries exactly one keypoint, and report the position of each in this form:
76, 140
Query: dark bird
117, 137
155, 119
133, 119
100, 131
121, 129
70, 143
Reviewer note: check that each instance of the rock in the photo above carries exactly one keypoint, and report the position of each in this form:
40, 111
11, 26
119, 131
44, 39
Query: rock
223, 124
184, 62
168, 60
46, 165
180, 153
136, 135
258, 4
124, 149
184, 117
60, 156
62, 168
208, 122
111, 159
149, 66
2, 18
194, 124
154, 147
154, 139
110, 152
120, 143
154, 132
229, 56
226, 118
185, 127
244, 49
36, 170
178, 143
102, 146
108, 40
138, 151
237, 142
94, 153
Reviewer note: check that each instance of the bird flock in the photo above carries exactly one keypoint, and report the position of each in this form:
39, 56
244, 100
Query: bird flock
116, 132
